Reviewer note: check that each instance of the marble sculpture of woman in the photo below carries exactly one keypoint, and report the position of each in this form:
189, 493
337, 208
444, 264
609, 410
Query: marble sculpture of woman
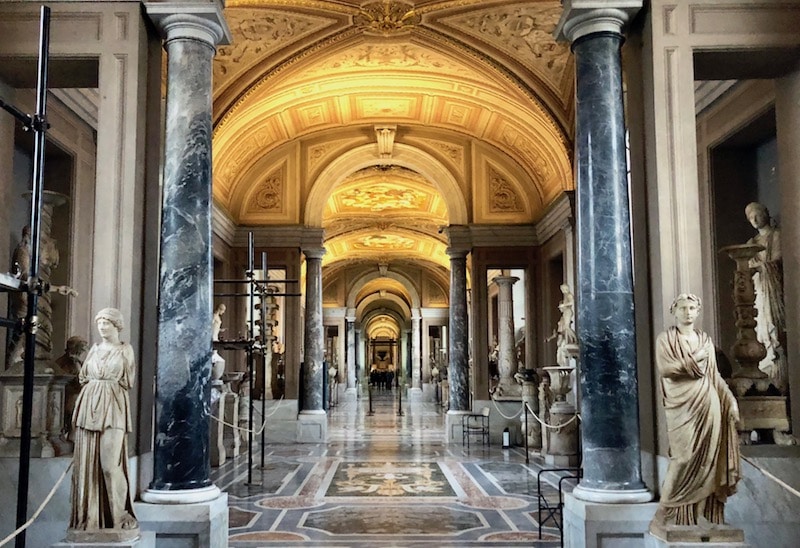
701, 414
102, 508
768, 282
564, 333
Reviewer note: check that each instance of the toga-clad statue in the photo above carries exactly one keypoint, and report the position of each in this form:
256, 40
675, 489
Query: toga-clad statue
102, 508
702, 414
768, 283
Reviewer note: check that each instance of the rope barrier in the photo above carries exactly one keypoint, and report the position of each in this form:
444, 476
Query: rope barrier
783, 484
38, 510
576, 416
242, 429
535, 416
511, 418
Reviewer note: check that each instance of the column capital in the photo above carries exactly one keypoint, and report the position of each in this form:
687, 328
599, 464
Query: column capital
456, 253
204, 21
583, 17
505, 280
314, 252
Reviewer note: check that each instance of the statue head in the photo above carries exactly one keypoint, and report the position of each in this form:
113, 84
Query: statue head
757, 214
682, 299
221, 308
112, 315
76, 346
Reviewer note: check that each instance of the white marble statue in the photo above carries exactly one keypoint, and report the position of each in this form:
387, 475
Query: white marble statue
768, 282
102, 509
702, 415
217, 361
564, 333
216, 322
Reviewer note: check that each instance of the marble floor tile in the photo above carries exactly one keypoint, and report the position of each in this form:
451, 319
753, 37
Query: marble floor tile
386, 480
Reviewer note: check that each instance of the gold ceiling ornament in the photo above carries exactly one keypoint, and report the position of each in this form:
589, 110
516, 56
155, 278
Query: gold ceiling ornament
387, 17
525, 32
385, 136
503, 197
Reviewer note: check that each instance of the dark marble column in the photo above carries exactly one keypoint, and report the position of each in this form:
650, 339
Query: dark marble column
314, 341
416, 350
351, 352
181, 457
605, 314
458, 368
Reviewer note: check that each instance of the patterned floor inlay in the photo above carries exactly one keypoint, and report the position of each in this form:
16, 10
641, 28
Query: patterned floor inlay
385, 481
386, 520
389, 479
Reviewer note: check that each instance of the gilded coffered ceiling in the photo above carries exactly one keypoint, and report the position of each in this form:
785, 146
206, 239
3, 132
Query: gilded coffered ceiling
382, 121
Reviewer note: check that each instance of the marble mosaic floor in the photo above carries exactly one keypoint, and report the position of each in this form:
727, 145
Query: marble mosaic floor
385, 481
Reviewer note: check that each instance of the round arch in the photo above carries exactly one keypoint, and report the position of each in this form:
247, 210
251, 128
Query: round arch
359, 283
403, 155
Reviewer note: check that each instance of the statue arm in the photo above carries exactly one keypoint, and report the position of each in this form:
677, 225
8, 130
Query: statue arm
671, 364
129, 375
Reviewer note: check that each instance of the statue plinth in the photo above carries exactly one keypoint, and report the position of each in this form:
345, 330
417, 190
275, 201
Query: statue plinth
562, 442
49, 385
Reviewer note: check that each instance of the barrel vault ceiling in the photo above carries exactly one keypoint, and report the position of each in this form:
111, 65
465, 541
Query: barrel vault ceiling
382, 122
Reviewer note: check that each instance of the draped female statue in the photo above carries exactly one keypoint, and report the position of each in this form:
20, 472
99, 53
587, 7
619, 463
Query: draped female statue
768, 282
102, 508
702, 415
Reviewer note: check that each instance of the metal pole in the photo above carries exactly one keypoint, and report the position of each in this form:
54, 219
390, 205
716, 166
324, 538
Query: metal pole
264, 340
250, 360
369, 393
527, 453
400, 401
33, 285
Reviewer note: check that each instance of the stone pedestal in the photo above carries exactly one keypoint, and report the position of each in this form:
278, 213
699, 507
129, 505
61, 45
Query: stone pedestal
452, 426
562, 443
680, 536
764, 412
145, 540
595, 525
534, 428
47, 417
186, 525
312, 427
225, 441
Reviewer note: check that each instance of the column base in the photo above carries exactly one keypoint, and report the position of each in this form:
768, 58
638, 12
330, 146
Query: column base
415, 395
561, 461
186, 525
351, 394
608, 496
181, 496
453, 433
312, 427
592, 524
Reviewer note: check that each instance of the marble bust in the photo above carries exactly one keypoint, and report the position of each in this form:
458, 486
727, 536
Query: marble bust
701, 415
768, 283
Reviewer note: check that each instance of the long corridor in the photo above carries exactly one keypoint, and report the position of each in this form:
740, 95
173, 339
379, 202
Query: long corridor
386, 480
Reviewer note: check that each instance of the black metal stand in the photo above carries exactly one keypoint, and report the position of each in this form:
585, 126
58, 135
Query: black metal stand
252, 345
400, 401
32, 285
554, 512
